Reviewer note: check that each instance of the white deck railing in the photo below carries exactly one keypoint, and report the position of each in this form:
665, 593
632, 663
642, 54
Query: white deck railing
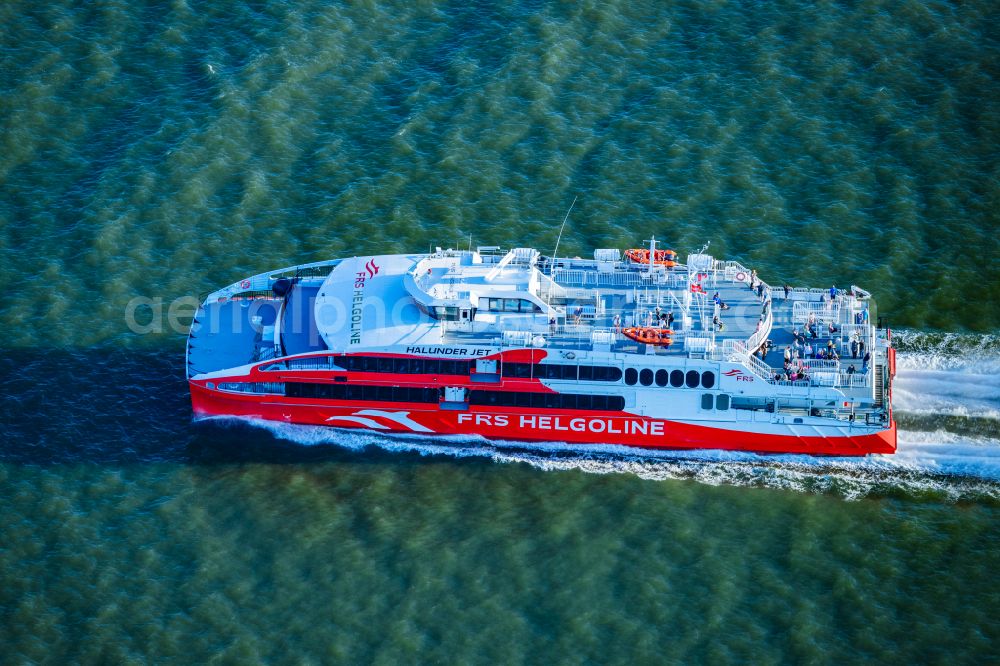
823, 313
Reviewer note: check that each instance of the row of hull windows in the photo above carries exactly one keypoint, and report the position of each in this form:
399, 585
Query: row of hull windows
587, 373
674, 378
435, 366
401, 366
432, 366
428, 395
614, 403
362, 392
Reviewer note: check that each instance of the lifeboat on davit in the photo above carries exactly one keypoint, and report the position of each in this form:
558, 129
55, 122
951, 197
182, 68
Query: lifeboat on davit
649, 335
666, 258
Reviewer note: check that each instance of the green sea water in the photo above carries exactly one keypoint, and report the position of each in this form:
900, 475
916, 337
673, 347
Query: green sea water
159, 150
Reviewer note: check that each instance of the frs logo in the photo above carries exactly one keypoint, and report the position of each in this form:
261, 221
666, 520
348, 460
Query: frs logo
371, 270
738, 375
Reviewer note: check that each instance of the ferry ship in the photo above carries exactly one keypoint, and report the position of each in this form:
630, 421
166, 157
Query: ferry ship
635, 348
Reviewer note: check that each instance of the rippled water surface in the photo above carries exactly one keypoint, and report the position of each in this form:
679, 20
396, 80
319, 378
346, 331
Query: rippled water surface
162, 149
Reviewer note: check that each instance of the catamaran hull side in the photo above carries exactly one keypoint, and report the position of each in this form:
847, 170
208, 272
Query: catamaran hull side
572, 426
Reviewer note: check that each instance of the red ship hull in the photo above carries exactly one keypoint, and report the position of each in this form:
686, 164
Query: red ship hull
517, 424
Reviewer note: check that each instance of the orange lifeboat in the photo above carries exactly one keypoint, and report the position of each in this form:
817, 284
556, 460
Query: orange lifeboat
649, 335
666, 258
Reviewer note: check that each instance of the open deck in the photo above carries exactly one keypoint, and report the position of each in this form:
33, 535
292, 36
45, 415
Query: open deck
518, 299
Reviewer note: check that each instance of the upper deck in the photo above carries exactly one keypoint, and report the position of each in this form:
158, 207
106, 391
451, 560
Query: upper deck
486, 301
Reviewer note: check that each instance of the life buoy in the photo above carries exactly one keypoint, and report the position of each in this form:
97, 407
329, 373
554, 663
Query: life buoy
741, 277
245, 284
649, 335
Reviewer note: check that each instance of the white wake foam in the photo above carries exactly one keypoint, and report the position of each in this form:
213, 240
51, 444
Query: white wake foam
948, 374
942, 463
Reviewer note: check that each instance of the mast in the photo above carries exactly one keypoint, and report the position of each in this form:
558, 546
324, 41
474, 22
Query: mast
652, 255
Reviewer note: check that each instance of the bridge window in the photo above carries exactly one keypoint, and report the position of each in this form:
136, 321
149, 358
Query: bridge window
253, 387
430, 366
708, 379
313, 363
677, 378
646, 377
631, 376
662, 377
509, 305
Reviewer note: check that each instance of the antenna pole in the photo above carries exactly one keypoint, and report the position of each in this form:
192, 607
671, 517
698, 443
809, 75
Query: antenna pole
548, 296
559, 238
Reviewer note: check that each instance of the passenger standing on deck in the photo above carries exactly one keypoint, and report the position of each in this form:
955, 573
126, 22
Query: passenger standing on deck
787, 290
760, 290
670, 320
788, 354
809, 350
861, 347
865, 361
833, 292
616, 323
854, 349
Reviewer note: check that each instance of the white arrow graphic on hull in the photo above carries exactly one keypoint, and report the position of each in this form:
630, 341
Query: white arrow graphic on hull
368, 423
401, 418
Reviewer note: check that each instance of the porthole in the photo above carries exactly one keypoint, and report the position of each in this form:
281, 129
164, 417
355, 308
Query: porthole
662, 377
677, 378
631, 376
646, 377
691, 379
708, 379
706, 401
